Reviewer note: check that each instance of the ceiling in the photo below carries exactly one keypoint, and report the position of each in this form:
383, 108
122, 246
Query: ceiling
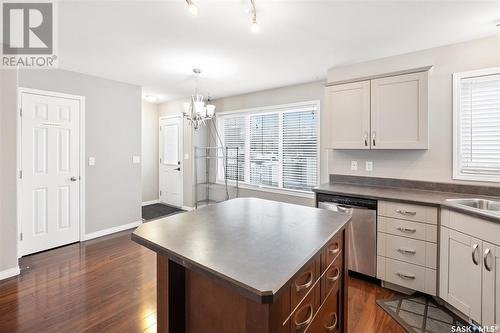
156, 44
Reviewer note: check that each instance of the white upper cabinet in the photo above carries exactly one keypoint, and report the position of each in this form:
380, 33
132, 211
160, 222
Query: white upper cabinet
349, 121
383, 113
399, 112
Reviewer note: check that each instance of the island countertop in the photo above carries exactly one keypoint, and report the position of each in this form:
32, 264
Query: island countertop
253, 246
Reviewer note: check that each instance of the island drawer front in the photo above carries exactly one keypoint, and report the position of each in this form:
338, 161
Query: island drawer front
407, 275
328, 318
304, 313
335, 245
410, 229
418, 213
408, 250
304, 282
332, 278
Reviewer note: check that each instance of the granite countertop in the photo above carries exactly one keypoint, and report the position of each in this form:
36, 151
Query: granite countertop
409, 195
254, 246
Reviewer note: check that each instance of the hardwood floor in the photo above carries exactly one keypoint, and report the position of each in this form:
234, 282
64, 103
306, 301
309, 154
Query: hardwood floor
109, 285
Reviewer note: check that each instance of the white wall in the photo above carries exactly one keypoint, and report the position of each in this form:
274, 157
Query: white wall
149, 151
191, 138
291, 94
8, 173
113, 136
434, 164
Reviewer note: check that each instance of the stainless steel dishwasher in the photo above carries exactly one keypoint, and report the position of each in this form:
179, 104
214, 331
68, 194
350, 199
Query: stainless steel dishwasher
362, 230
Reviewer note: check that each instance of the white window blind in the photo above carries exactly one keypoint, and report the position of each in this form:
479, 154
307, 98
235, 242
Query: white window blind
300, 150
264, 149
234, 135
478, 132
279, 146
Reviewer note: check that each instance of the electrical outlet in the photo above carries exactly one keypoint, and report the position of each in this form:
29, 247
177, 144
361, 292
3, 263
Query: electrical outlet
369, 166
136, 159
354, 165
91, 161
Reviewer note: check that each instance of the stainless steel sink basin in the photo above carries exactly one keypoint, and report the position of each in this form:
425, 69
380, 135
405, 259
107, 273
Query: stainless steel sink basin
480, 204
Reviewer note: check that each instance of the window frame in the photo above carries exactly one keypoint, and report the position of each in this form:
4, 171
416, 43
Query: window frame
247, 113
457, 79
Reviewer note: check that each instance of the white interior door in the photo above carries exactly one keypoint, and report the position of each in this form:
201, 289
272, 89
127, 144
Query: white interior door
50, 160
170, 161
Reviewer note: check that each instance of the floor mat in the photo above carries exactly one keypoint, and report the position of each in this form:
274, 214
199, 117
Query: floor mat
155, 211
420, 314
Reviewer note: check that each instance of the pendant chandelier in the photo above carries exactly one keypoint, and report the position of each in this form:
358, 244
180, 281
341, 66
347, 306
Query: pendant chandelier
198, 110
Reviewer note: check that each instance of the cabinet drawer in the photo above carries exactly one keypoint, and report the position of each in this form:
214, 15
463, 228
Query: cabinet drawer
409, 250
304, 282
406, 211
331, 251
328, 319
332, 277
407, 275
415, 230
304, 313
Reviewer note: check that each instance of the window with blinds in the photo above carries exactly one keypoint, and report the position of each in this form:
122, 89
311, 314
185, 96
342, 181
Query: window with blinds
477, 125
279, 145
234, 131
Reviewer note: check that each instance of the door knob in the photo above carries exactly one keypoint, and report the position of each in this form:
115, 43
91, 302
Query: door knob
73, 179
178, 169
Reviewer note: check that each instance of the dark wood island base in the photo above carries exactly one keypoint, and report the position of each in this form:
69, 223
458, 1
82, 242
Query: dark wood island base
250, 266
315, 301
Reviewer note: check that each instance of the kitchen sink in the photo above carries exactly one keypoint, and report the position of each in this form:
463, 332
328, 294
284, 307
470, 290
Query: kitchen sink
480, 204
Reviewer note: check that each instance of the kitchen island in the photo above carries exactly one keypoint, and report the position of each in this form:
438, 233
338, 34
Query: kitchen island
250, 265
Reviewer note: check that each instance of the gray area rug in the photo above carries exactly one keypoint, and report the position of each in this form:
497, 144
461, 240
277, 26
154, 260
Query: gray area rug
156, 211
420, 314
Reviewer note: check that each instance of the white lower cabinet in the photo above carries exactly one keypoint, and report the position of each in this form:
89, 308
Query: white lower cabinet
460, 272
491, 284
469, 271
407, 245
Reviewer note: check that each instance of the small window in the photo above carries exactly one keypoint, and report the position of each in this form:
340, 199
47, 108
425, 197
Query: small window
476, 125
278, 145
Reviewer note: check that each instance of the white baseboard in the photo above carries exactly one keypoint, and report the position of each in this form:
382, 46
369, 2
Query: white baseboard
187, 208
9, 272
152, 202
109, 231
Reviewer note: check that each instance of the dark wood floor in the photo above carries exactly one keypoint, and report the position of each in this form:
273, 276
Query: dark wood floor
109, 285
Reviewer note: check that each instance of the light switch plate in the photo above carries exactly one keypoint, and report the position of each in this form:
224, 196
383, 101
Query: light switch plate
354, 165
91, 161
369, 166
136, 159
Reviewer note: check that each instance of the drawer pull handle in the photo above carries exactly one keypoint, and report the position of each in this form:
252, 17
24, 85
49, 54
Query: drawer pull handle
305, 323
406, 276
405, 212
406, 251
407, 230
306, 285
486, 255
334, 250
335, 277
334, 325
475, 249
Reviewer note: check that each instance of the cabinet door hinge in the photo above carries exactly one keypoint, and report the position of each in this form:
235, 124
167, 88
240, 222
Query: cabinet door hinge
20, 112
20, 174
160, 193
160, 160
21, 236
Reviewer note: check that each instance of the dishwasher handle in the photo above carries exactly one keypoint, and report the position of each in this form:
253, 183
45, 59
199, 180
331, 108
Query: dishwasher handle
336, 207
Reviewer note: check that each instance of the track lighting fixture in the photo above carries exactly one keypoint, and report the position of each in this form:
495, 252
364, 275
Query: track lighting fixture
192, 7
